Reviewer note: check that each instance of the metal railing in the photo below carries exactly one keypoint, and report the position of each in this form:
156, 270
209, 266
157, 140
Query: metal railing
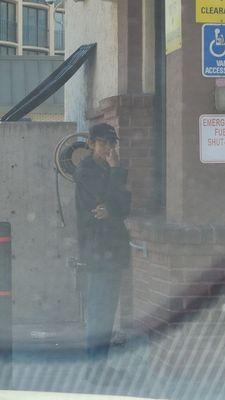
37, 1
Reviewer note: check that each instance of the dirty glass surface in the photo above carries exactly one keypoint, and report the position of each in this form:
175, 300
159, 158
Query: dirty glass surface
112, 215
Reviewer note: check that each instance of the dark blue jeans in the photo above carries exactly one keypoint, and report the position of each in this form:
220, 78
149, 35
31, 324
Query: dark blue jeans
103, 289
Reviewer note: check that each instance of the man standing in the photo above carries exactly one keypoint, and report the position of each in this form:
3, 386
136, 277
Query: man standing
102, 204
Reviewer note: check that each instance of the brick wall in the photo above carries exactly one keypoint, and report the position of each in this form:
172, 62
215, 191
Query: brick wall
179, 296
181, 272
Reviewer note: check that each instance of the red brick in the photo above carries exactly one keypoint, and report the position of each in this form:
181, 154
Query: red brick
109, 102
138, 113
137, 204
149, 101
141, 143
139, 152
136, 198
94, 114
139, 173
124, 142
140, 162
213, 275
125, 101
124, 120
198, 289
196, 302
177, 275
160, 315
138, 102
160, 286
111, 113
140, 121
138, 133
217, 289
112, 121
125, 162
161, 260
160, 272
176, 304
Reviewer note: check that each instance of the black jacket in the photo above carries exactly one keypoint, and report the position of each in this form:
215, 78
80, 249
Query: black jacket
102, 242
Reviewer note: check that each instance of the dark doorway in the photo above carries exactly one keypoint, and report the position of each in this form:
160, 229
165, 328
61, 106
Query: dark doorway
160, 103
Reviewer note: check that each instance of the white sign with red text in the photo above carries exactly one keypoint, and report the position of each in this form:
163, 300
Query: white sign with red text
212, 138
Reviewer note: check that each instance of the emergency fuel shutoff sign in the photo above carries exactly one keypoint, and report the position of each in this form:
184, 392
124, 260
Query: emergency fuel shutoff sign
210, 11
212, 138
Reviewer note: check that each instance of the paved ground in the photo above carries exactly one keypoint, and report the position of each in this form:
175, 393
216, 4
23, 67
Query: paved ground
57, 362
186, 362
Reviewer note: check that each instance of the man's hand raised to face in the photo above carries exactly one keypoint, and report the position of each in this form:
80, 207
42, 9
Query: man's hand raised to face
113, 158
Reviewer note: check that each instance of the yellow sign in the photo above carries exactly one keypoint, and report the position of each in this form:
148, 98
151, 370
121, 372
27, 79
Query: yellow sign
210, 11
173, 25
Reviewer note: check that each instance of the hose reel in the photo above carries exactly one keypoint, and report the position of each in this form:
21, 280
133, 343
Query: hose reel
68, 153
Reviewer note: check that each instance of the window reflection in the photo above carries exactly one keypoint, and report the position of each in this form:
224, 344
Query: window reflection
59, 31
35, 31
7, 21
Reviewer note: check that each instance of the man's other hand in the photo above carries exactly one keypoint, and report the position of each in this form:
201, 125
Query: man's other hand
100, 212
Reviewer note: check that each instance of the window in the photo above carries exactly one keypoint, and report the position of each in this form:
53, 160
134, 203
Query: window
35, 31
7, 50
59, 31
7, 21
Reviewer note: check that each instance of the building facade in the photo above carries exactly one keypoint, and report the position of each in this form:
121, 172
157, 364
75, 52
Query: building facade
31, 28
34, 31
146, 80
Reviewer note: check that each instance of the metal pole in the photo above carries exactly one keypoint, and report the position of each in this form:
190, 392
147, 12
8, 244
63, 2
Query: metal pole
5, 306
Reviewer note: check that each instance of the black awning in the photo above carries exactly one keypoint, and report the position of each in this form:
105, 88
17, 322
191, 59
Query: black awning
51, 84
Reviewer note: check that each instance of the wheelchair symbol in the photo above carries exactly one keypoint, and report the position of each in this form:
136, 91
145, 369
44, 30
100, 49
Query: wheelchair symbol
217, 46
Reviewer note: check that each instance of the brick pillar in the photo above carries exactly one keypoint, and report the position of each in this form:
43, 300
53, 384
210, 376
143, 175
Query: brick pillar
133, 118
136, 130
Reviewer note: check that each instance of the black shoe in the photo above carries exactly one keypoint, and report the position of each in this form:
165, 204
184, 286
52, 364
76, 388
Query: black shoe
118, 339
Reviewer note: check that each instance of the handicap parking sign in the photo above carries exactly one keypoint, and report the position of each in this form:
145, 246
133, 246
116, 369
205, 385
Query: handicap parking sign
213, 50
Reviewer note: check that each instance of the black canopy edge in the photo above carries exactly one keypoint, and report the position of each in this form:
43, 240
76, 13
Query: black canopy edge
51, 84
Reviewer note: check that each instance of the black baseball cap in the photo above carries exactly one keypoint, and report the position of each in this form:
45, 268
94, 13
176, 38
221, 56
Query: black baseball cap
103, 131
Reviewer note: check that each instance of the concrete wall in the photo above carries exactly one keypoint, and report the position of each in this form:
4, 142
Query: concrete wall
43, 285
88, 22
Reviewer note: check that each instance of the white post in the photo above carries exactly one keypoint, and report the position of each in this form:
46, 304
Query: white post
19, 20
51, 29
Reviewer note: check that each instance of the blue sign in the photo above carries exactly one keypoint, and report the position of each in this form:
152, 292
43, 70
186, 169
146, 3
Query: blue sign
213, 50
